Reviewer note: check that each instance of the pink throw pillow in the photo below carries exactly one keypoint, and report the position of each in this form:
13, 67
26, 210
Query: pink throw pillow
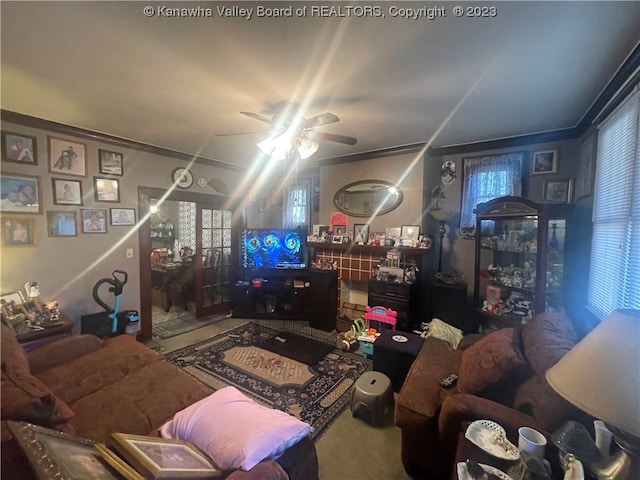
235, 431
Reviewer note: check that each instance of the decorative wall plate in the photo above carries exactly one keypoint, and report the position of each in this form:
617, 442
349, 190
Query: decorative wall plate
182, 177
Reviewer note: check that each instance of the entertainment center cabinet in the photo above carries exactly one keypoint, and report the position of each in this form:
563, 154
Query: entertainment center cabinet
305, 294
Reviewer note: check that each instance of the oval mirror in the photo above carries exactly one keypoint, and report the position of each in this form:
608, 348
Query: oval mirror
367, 197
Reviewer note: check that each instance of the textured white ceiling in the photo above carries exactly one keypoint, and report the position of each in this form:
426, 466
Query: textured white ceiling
180, 82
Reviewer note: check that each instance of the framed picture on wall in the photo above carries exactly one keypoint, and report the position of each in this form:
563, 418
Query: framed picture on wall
586, 168
110, 163
19, 148
94, 220
62, 224
106, 189
66, 192
20, 193
544, 162
67, 157
123, 216
557, 191
18, 232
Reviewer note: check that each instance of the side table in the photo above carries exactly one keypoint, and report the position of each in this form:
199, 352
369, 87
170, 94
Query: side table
36, 338
467, 450
394, 358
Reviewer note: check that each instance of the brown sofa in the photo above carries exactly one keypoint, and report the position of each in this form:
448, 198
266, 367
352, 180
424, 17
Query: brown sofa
501, 378
91, 388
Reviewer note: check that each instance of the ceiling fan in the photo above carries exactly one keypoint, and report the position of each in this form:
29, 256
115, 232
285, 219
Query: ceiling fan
286, 137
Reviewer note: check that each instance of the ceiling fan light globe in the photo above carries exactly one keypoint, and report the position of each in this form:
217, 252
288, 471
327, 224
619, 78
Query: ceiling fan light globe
307, 148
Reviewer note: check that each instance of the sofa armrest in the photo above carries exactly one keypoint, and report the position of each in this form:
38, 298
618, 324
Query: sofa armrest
469, 340
62, 351
459, 409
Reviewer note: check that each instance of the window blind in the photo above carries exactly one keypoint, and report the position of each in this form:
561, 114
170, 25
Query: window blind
297, 205
614, 280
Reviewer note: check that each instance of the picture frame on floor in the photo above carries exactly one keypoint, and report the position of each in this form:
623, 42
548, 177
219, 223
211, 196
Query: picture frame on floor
156, 457
54, 454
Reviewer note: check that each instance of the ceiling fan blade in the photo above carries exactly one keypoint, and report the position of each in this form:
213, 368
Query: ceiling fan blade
322, 119
257, 116
332, 137
239, 133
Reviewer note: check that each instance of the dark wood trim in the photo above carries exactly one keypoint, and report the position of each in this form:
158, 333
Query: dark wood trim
383, 152
612, 92
505, 143
61, 128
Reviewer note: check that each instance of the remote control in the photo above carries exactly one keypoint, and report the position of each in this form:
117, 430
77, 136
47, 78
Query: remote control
450, 380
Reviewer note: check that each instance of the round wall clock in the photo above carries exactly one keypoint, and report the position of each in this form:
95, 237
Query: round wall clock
182, 177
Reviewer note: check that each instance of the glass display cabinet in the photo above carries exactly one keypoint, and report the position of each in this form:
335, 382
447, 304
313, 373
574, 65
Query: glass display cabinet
519, 269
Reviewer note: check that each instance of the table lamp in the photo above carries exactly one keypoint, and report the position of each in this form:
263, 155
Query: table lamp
601, 376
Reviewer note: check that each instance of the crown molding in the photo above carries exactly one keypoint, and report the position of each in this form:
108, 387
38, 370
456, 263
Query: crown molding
63, 129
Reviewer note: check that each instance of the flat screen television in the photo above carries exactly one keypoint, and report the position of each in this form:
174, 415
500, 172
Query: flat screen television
273, 248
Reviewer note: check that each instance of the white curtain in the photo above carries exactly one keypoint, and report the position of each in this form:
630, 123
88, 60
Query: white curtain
486, 178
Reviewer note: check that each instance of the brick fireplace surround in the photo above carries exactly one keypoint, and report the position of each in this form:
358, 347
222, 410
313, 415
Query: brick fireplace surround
356, 262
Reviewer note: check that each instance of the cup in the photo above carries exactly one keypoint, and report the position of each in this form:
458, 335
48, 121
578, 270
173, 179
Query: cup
531, 441
603, 437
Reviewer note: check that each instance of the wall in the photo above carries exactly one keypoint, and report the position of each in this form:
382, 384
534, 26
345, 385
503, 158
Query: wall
405, 170
67, 268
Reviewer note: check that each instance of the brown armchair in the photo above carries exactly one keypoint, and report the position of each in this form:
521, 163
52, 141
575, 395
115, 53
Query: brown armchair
501, 378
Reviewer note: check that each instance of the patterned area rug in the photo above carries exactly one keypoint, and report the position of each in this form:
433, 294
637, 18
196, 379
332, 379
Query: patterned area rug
178, 321
314, 394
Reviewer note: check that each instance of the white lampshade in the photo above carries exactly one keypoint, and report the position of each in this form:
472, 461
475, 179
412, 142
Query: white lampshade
601, 375
307, 147
276, 147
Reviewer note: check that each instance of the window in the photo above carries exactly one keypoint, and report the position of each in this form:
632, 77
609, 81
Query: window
486, 178
614, 279
296, 212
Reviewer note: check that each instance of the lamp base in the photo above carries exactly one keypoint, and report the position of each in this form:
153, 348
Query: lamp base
624, 464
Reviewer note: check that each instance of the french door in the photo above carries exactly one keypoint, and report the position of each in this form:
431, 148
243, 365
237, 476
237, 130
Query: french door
215, 228
213, 254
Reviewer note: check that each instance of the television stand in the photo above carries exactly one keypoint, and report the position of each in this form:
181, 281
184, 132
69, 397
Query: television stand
306, 295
